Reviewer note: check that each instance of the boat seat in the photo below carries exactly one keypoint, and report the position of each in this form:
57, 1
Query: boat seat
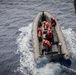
54, 48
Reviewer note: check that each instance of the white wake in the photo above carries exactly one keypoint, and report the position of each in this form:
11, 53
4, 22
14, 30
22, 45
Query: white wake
70, 38
27, 64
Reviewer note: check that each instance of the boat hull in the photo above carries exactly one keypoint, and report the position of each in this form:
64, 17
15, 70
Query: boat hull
58, 36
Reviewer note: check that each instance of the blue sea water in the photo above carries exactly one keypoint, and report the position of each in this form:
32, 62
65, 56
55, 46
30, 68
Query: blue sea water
16, 52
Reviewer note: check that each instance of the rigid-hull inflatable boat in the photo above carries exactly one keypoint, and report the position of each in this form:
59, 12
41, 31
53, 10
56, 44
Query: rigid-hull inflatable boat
59, 50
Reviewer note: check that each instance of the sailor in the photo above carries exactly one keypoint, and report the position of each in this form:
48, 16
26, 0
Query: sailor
47, 45
53, 21
49, 35
46, 24
39, 32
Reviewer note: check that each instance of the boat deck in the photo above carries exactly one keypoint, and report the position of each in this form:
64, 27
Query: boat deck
55, 47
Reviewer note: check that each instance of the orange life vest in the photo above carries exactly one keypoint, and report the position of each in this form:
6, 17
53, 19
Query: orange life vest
46, 42
49, 33
46, 24
39, 31
52, 20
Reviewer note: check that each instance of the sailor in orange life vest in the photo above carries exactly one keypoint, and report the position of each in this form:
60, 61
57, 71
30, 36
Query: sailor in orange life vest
39, 32
47, 45
53, 21
49, 35
46, 24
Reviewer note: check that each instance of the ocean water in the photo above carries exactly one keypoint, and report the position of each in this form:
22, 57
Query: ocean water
16, 52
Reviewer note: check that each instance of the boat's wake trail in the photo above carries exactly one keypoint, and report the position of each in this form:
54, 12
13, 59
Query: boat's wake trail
70, 38
27, 64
